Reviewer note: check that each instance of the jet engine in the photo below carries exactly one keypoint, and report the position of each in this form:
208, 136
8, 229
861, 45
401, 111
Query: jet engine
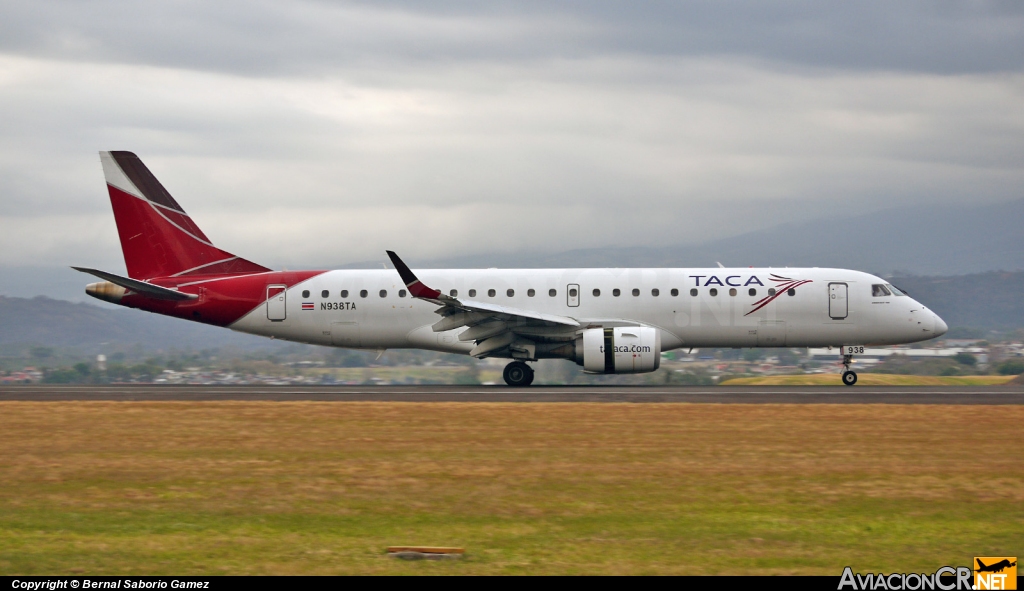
625, 349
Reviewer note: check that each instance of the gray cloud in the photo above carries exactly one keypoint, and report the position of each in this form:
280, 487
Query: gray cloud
294, 38
321, 133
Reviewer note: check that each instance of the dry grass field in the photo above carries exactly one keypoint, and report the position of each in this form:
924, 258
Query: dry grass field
323, 488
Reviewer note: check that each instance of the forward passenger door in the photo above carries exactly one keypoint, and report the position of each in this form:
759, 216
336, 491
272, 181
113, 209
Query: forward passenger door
838, 306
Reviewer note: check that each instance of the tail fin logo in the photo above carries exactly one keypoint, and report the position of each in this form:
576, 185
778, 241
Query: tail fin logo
158, 238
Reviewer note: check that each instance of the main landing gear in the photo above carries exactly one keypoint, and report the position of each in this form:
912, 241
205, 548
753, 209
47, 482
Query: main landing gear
518, 374
849, 377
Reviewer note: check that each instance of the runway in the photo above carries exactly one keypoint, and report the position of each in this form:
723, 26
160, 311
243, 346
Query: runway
985, 395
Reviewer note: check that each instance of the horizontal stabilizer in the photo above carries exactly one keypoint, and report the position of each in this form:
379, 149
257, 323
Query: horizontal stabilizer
140, 287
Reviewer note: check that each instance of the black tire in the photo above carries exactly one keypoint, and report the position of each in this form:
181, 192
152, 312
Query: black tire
517, 374
849, 378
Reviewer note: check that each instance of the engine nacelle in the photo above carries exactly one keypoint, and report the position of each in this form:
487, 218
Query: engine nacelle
626, 349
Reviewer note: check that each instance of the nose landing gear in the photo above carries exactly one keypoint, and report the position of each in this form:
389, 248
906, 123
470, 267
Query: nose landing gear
849, 376
518, 374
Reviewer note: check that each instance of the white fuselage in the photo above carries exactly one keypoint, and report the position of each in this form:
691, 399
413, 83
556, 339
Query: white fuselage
828, 307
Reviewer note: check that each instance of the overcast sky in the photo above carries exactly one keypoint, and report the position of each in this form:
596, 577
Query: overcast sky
312, 133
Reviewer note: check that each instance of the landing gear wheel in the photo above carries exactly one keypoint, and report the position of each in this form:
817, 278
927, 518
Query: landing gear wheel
518, 374
849, 378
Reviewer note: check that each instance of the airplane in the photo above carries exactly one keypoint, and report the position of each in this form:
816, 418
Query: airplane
994, 568
609, 321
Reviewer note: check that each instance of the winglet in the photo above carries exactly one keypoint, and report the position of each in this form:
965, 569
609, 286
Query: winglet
416, 287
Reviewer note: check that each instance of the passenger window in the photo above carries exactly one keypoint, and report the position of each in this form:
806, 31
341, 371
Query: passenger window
636, 292
401, 293
363, 293
771, 291
573, 292
655, 292
616, 292
325, 294
491, 293
879, 291
472, 293
597, 292
713, 292
732, 291
530, 293
752, 292
510, 293
383, 293
454, 293
674, 292
344, 293
693, 292
305, 293
791, 292
552, 292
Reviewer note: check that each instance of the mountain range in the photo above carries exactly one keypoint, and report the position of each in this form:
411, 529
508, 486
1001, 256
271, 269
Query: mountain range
914, 240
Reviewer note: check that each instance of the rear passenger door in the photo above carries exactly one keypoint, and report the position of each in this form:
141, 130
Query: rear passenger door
276, 302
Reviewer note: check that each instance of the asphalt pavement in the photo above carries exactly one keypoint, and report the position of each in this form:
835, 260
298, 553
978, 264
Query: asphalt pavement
631, 394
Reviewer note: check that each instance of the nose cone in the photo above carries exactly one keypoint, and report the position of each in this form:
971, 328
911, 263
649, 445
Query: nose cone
940, 326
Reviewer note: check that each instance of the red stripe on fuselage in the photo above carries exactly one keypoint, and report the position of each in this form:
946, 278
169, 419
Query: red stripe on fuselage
222, 300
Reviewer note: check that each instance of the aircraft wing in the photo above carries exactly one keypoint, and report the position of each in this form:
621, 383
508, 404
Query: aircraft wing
495, 328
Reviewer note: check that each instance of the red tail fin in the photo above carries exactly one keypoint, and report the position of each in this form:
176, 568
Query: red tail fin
157, 237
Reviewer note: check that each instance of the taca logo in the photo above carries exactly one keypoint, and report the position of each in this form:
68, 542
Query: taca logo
782, 285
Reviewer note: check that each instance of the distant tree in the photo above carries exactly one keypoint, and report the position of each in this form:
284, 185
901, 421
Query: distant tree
965, 359
146, 371
62, 376
1011, 367
695, 377
752, 355
964, 332
469, 376
41, 352
118, 372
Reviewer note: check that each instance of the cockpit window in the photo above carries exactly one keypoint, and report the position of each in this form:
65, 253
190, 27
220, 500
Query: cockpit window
878, 291
895, 290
